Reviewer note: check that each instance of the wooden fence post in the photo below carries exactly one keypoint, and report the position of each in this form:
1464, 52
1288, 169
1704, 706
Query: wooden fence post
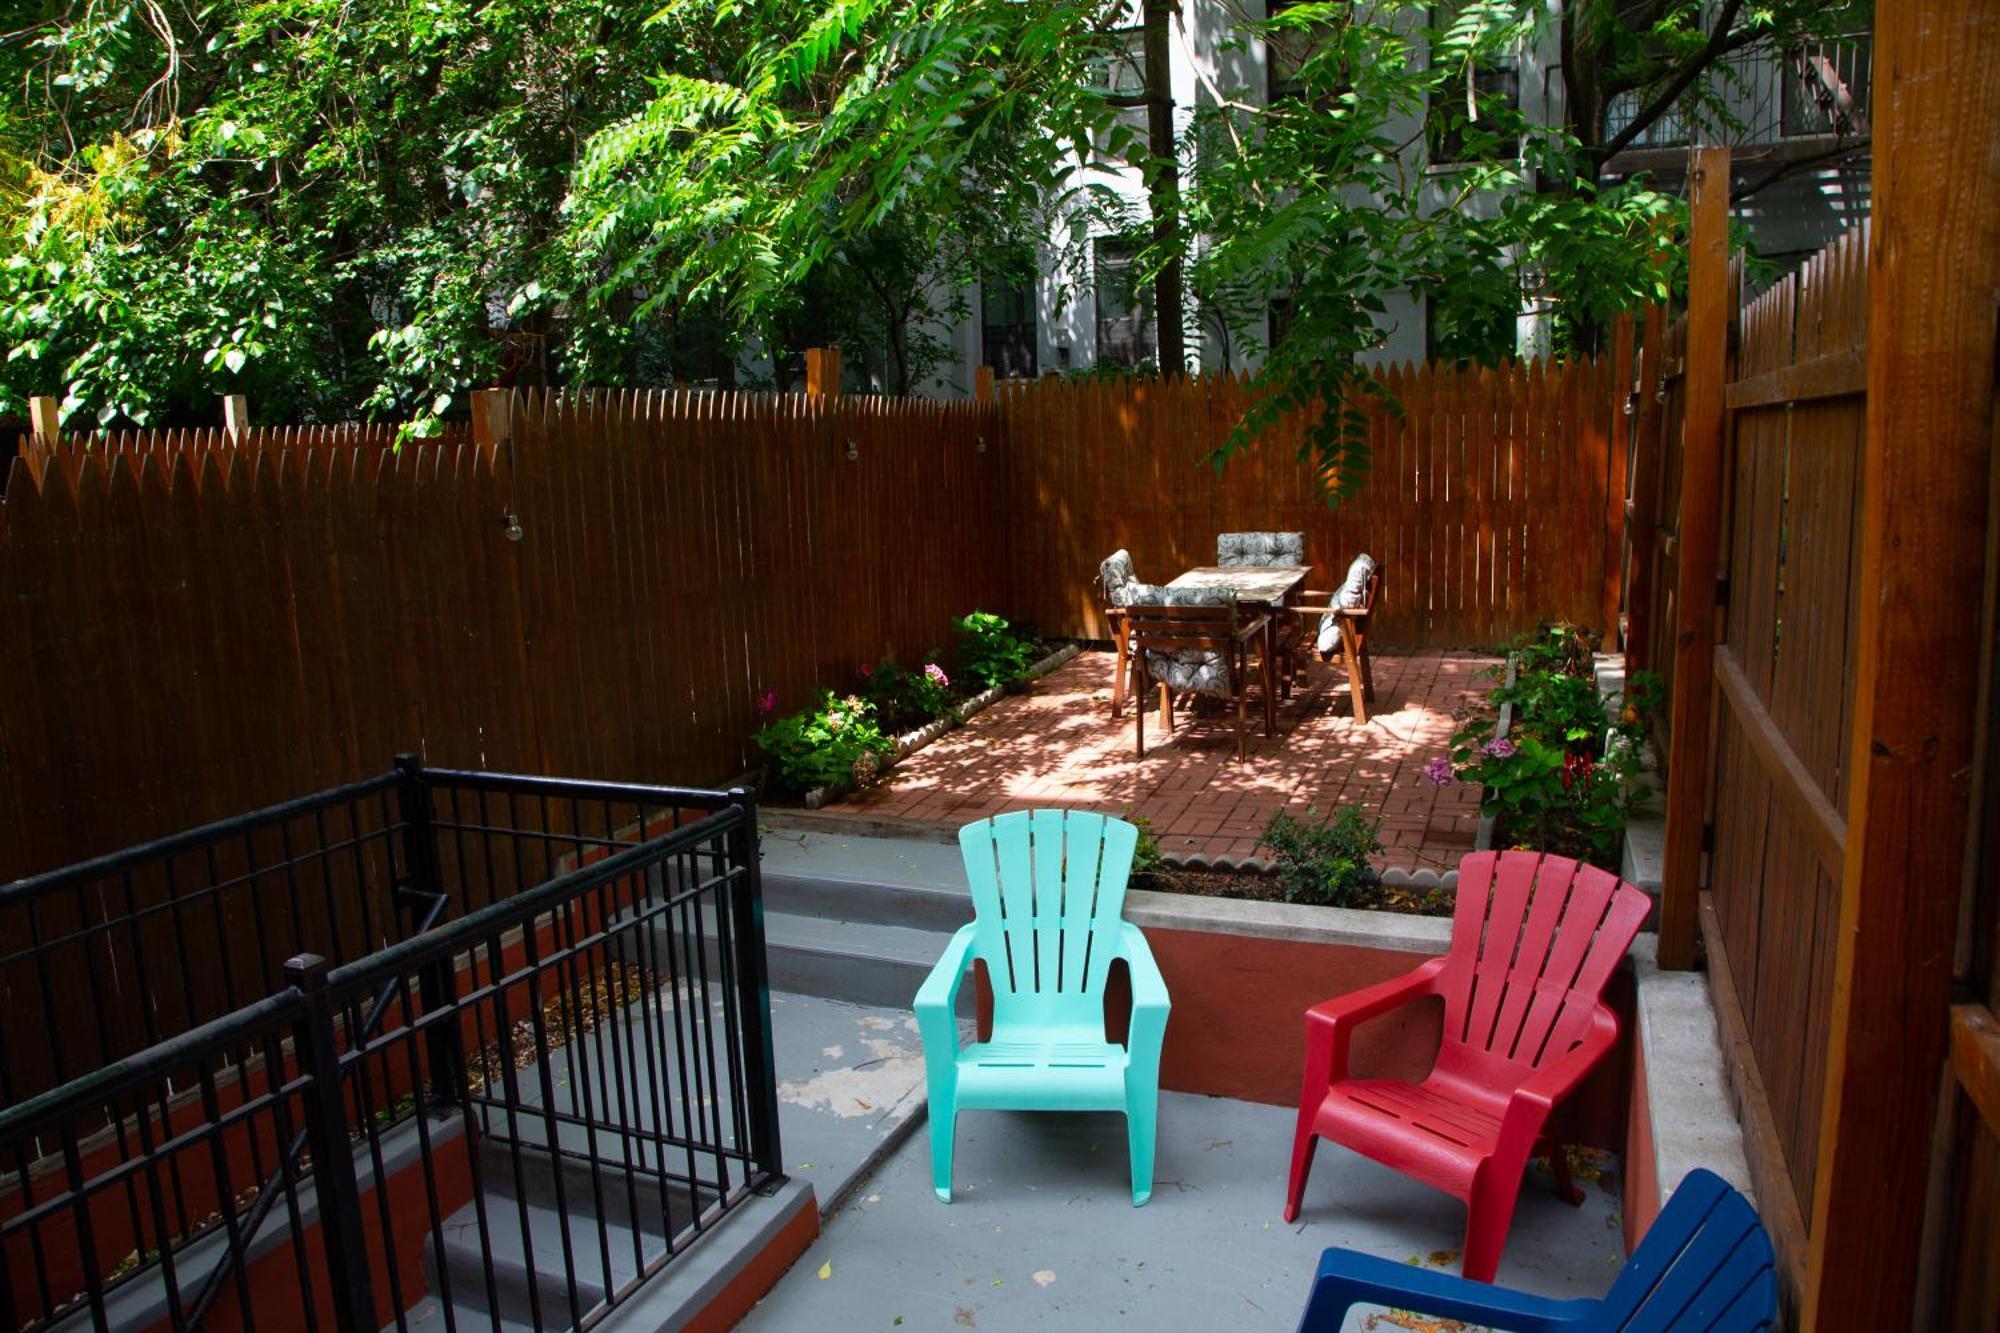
1643, 529
1708, 317
492, 416
1933, 282
822, 372
45, 420
1618, 433
235, 414
982, 384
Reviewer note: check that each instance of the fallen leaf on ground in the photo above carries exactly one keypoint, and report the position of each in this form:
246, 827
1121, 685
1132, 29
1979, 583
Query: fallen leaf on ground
826, 1270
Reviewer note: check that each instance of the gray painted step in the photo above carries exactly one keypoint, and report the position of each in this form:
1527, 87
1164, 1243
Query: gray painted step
523, 1235
857, 961
883, 881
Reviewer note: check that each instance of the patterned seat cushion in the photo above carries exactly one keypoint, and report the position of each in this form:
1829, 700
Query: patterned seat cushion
1260, 548
1188, 670
1353, 592
1116, 577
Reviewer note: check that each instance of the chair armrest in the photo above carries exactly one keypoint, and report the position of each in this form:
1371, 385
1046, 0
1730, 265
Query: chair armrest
939, 993
1149, 988
1541, 1090
1347, 1278
1330, 1024
1373, 1001
1250, 629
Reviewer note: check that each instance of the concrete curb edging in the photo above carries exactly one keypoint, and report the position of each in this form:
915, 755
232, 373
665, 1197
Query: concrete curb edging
1368, 928
910, 742
1691, 1118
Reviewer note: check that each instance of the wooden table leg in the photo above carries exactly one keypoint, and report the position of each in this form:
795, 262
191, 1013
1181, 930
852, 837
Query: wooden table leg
1270, 676
1122, 644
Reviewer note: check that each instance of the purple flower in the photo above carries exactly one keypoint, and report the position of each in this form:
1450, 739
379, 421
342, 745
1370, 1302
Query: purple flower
936, 675
1499, 748
1438, 772
767, 703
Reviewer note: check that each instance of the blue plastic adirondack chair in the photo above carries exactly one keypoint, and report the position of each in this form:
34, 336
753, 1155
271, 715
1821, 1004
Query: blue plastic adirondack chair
1705, 1264
1047, 889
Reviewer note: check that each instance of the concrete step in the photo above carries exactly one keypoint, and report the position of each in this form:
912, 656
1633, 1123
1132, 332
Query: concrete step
522, 1240
878, 880
861, 962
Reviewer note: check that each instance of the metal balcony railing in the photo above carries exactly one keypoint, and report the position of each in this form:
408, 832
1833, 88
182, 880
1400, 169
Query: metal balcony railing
382, 1050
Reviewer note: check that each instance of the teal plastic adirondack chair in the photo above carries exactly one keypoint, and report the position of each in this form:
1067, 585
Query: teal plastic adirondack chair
1048, 887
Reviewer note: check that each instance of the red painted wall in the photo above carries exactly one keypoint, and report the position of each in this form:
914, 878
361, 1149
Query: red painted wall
1238, 1024
1642, 1173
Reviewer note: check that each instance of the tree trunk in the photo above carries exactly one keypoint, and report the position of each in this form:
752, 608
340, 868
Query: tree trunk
1163, 185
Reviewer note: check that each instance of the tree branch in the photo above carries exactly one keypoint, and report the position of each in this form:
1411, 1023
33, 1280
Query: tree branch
1720, 42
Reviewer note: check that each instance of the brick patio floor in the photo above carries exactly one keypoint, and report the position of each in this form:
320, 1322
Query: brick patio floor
1058, 746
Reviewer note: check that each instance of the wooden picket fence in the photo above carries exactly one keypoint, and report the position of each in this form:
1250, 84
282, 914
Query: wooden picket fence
606, 585
1490, 502
199, 631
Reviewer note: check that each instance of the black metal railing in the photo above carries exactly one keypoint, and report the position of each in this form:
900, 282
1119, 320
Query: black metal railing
560, 1077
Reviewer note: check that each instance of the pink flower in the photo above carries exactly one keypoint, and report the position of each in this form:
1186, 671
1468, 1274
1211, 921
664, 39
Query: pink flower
936, 675
1499, 748
767, 704
867, 672
1438, 772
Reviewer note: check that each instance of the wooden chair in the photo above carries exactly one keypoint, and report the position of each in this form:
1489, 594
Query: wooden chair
1117, 586
1196, 641
1351, 646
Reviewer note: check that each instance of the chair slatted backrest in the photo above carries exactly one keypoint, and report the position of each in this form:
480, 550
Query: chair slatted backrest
1174, 628
1048, 888
1534, 940
1705, 1263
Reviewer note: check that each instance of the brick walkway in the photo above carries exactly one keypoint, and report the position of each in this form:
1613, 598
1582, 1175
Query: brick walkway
1059, 746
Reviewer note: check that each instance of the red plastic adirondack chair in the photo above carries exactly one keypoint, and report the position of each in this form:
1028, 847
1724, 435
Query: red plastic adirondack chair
1533, 941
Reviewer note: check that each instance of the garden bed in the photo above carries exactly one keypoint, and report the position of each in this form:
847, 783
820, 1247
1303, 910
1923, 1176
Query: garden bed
1558, 757
910, 742
1422, 894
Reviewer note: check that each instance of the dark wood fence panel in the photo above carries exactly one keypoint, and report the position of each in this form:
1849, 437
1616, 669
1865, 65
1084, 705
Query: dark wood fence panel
1659, 545
1485, 500
205, 624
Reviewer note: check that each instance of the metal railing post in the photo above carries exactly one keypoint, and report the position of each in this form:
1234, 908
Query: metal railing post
753, 989
332, 1153
421, 894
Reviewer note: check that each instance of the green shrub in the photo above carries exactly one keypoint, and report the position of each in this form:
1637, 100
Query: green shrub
1147, 859
1565, 711
906, 700
839, 741
1324, 864
990, 653
1557, 646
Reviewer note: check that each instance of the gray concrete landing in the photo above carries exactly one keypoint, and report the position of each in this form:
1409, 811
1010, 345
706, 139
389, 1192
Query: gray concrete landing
1042, 1233
850, 1087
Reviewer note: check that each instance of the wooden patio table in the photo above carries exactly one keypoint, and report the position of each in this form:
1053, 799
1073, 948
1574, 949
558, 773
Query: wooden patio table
1270, 587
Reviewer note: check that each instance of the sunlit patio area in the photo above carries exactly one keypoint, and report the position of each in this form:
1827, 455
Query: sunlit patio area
1057, 745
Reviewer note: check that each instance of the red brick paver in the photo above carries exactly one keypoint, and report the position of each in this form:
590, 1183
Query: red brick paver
1058, 746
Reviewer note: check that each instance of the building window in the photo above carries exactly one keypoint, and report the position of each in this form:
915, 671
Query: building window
1281, 314
1455, 138
1007, 320
1120, 74
1126, 335
1287, 52
1452, 134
